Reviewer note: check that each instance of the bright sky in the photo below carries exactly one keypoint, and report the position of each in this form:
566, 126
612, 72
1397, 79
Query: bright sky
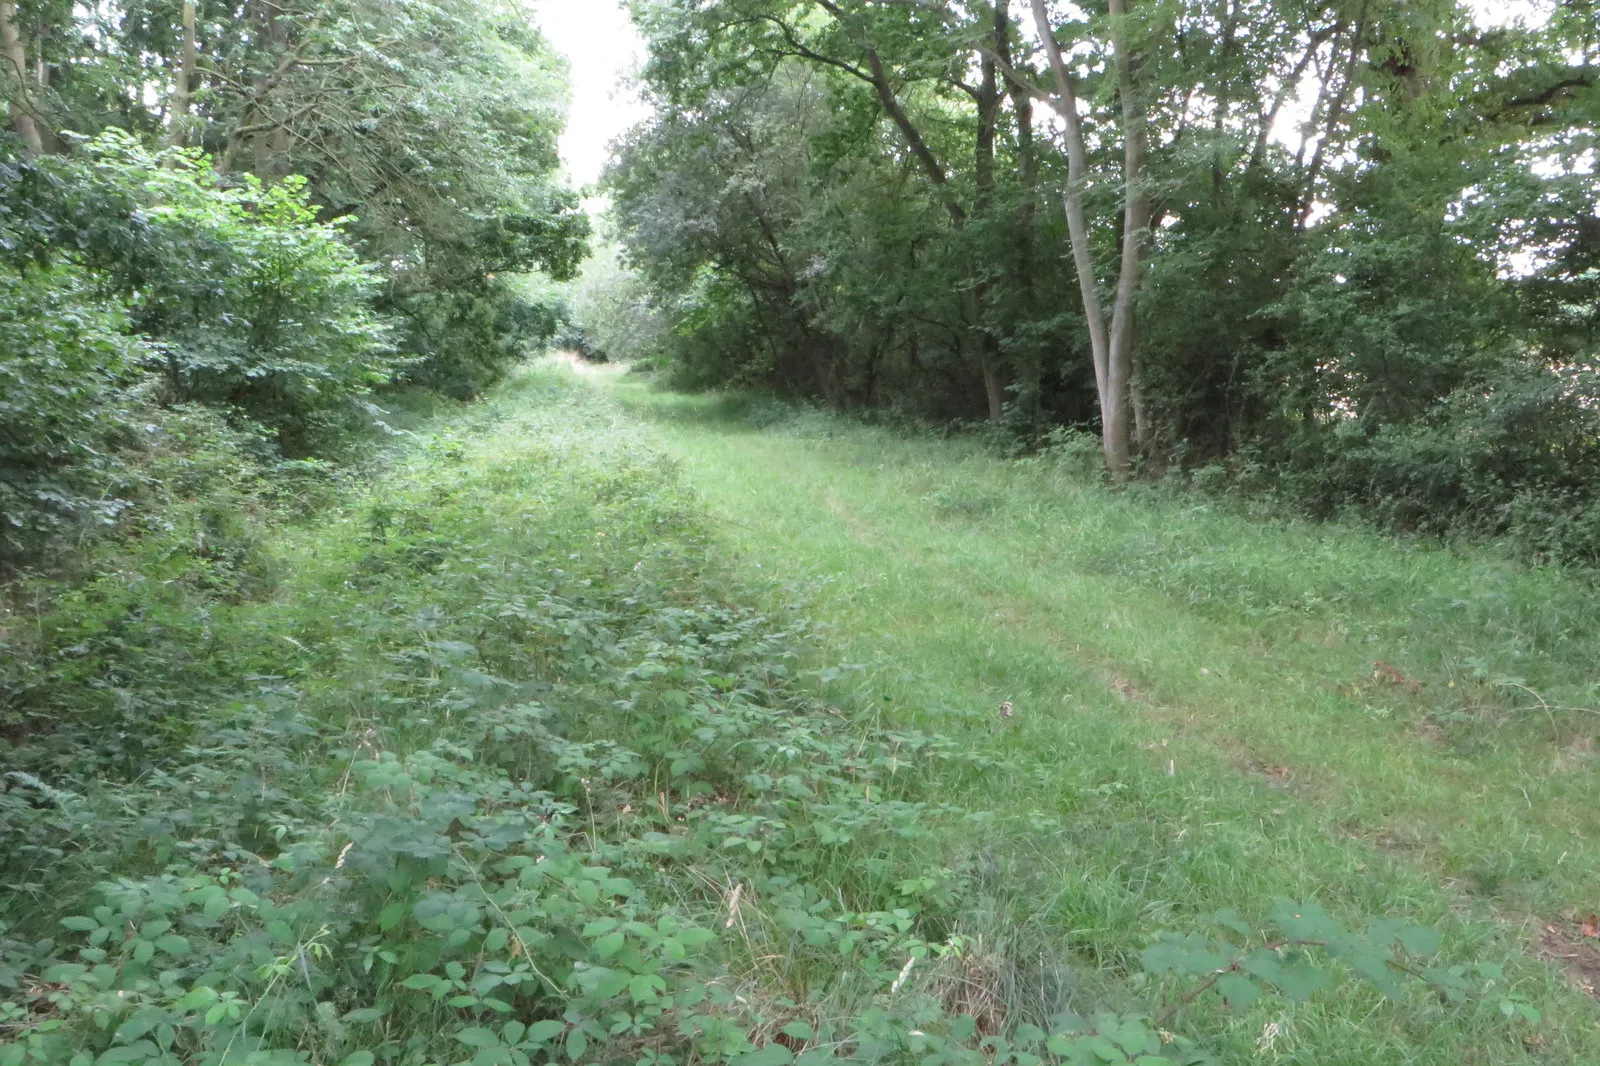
603, 48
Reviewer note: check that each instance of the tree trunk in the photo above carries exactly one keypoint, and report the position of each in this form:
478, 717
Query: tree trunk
994, 387
14, 54
989, 98
1066, 104
1028, 369
1334, 117
183, 92
270, 139
1113, 353
1135, 242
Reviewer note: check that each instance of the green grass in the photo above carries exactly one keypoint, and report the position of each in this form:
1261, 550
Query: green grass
603, 724
477, 780
1195, 701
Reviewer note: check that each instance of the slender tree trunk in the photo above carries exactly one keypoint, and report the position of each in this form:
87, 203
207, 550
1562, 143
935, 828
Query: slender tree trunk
1269, 117
268, 139
1029, 371
1335, 116
1141, 410
989, 97
183, 93
14, 54
1066, 105
1135, 243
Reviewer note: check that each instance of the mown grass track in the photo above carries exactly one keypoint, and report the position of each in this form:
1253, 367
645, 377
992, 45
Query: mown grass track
1196, 696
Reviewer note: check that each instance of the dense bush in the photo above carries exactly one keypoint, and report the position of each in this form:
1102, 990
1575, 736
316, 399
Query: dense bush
65, 359
253, 303
1518, 456
612, 310
131, 281
465, 340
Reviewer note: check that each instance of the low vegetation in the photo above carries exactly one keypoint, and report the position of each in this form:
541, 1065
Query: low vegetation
373, 696
1214, 708
500, 770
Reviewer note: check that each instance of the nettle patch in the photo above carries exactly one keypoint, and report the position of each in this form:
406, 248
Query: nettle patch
530, 795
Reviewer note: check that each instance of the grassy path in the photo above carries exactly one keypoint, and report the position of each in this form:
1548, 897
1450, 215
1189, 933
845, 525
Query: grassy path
1198, 719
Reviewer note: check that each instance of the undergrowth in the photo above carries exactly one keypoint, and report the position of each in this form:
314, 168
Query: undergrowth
495, 769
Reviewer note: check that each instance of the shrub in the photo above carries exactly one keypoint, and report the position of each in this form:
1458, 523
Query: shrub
64, 356
255, 304
1517, 457
132, 281
462, 341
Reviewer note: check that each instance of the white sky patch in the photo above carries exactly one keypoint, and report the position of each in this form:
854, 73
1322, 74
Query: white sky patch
1495, 13
605, 50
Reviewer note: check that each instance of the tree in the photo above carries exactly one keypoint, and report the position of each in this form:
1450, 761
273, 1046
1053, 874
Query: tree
16, 78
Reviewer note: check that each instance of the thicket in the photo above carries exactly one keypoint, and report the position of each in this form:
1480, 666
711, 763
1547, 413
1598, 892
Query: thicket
1344, 253
226, 229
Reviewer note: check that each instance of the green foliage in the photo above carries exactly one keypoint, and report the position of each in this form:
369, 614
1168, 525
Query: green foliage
613, 311
466, 340
1385, 955
1516, 457
828, 206
497, 775
253, 303
352, 165
64, 355
138, 282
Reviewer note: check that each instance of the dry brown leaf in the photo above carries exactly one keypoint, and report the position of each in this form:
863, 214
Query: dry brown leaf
1591, 927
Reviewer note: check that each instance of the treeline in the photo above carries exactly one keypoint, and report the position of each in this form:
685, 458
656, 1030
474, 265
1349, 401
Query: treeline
224, 227
1346, 251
